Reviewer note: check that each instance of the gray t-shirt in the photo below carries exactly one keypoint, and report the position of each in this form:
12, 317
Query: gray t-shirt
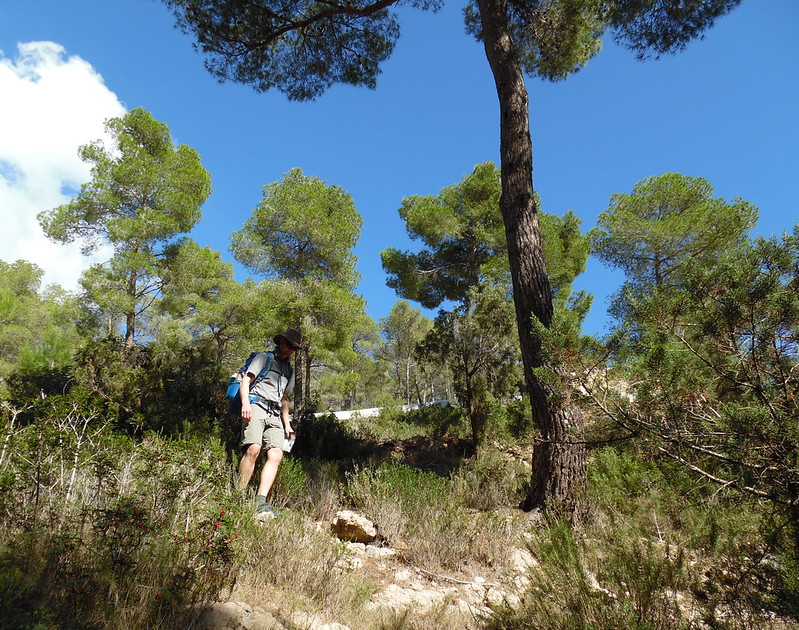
276, 382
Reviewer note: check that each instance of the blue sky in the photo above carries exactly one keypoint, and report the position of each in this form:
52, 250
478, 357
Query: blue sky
725, 109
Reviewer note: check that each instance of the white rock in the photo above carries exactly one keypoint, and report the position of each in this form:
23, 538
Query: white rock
263, 517
223, 615
522, 560
356, 547
238, 616
350, 562
379, 552
260, 621
397, 597
314, 622
353, 527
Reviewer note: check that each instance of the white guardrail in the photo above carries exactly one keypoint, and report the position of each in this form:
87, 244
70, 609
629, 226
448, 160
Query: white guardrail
371, 412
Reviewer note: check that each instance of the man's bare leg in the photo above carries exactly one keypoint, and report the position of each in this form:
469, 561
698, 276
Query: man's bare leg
247, 464
268, 473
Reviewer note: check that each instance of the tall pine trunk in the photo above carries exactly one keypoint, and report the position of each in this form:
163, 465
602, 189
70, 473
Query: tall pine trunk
299, 397
130, 316
306, 399
559, 454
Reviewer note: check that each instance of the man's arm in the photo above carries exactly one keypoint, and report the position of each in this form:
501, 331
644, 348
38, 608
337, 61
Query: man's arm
284, 414
244, 394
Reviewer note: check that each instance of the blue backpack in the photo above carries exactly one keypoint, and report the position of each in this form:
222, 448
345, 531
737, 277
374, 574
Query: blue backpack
234, 385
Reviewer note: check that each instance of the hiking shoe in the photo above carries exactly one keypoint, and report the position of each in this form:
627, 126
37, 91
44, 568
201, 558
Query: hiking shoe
266, 511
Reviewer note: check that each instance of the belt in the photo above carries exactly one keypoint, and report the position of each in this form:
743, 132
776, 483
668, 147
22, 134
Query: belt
269, 405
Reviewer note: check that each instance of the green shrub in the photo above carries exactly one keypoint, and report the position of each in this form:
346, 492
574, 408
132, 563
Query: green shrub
439, 421
301, 566
786, 598
422, 514
490, 481
740, 575
618, 582
615, 477
291, 485
324, 488
398, 483
389, 424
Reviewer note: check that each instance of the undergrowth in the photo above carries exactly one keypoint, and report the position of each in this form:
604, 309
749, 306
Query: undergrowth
101, 530
655, 554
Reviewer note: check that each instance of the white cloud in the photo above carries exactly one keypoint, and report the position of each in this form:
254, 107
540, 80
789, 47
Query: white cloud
50, 104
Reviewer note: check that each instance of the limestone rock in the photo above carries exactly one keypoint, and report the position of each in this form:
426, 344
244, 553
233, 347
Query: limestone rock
522, 560
379, 552
310, 621
397, 598
237, 616
264, 517
353, 527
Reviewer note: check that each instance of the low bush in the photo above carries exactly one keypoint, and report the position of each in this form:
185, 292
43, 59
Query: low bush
296, 566
656, 553
105, 531
393, 423
326, 438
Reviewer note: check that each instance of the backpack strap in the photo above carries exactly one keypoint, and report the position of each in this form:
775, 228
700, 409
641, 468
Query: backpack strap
234, 385
267, 366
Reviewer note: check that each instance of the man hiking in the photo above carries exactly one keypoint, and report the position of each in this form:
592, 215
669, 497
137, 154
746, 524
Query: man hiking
266, 422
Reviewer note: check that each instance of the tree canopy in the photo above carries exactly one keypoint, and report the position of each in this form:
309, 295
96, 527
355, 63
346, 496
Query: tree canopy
664, 222
461, 229
303, 48
302, 228
38, 329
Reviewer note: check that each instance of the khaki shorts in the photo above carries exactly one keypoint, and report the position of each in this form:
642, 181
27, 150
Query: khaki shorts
264, 428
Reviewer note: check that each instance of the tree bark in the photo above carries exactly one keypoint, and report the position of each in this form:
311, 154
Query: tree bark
559, 455
306, 399
130, 316
299, 362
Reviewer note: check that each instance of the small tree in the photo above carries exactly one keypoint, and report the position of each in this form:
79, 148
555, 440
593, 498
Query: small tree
464, 259
302, 234
353, 378
476, 341
37, 328
144, 191
663, 223
403, 330
712, 384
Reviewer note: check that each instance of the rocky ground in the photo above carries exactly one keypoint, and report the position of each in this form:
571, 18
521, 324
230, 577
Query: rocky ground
401, 586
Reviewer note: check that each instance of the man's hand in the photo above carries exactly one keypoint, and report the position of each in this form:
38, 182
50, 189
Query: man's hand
289, 430
246, 412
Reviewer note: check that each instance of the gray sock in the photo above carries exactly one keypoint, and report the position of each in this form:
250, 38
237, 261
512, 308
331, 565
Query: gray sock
260, 500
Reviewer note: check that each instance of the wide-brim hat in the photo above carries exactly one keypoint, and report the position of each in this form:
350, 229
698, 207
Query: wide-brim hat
292, 336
